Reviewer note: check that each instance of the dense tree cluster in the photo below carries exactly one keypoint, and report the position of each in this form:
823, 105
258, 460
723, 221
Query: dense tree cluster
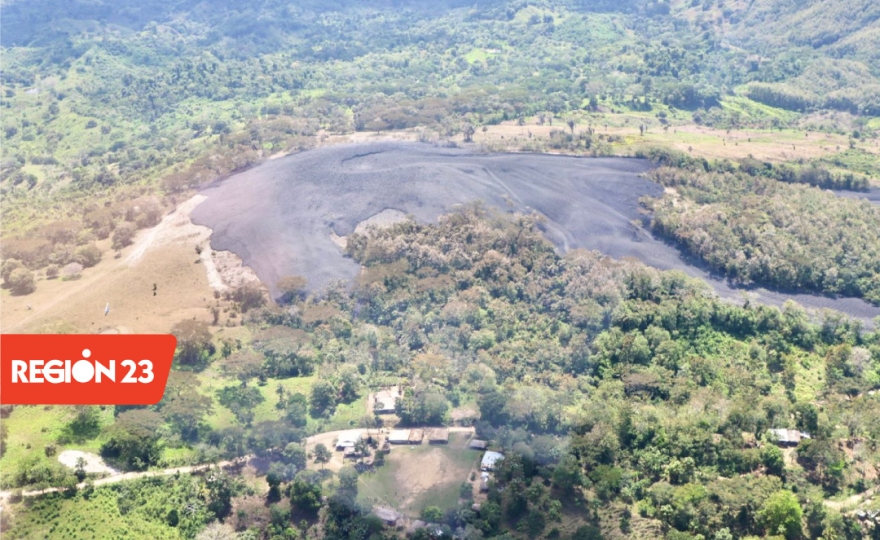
607, 385
756, 230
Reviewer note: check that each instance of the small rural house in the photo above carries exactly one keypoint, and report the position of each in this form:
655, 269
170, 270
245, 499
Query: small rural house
416, 436
348, 439
484, 482
437, 435
398, 436
477, 444
789, 437
490, 459
385, 400
387, 515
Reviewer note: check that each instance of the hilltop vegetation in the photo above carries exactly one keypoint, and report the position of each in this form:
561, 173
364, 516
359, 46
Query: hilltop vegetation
586, 371
758, 230
113, 109
104, 94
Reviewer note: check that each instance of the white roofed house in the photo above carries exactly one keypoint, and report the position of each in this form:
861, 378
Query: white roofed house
385, 401
348, 439
490, 459
399, 436
788, 437
478, 444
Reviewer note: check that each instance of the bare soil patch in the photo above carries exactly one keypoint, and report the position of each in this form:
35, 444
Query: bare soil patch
416, 476
93, 462
164, 255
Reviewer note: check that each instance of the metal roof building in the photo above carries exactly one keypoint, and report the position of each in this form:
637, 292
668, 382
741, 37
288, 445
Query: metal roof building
789, 437
437, 435
490, 459
399, 436
385, 401
348, 439
477, 444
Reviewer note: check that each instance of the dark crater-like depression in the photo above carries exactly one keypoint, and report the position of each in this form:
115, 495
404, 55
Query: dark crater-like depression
279, 216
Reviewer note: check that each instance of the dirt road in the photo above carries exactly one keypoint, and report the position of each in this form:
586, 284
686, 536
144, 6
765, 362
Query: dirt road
852, 501
326, 438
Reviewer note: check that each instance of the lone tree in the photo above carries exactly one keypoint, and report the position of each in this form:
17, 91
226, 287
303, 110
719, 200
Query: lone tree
21, 281
80, 470
194, 345
123, 235
294, 454
9, 266
322, 454
782, 514
134, 439
183, 405
249, 297
469, 131
323, 398
244, 365
274, 478
571, 124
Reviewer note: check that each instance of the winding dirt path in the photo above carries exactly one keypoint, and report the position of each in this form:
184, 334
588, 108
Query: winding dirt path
853, 500
121, 477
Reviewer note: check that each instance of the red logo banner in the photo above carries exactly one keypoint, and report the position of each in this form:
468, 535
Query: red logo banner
84, 369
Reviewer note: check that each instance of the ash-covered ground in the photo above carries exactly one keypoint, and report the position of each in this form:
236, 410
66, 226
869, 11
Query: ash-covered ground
279, 215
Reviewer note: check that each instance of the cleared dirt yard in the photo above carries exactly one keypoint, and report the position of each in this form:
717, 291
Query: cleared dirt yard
414, 477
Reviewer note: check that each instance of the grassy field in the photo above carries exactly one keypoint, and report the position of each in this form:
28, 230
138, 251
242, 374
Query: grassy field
135, 509
346, 415
414, 477
810, 378
33, 428
772, 145
54, 516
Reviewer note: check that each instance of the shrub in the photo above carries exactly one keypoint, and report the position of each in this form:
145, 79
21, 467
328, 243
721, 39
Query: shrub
123, 235
248, 297
21, 281
32, 251
9, 266
52, 271
71, 271
88, 255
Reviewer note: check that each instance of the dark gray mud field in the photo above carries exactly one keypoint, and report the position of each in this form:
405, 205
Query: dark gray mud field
279, 215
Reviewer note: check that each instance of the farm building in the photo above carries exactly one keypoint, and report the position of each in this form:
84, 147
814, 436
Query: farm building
490, 459
789, 437
385, 400
416, 436
484, 482
477, 444
387, 515
348, 439
398, 436
437, 435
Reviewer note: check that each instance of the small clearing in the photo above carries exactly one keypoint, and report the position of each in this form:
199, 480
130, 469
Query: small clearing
93, 462
414, 477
